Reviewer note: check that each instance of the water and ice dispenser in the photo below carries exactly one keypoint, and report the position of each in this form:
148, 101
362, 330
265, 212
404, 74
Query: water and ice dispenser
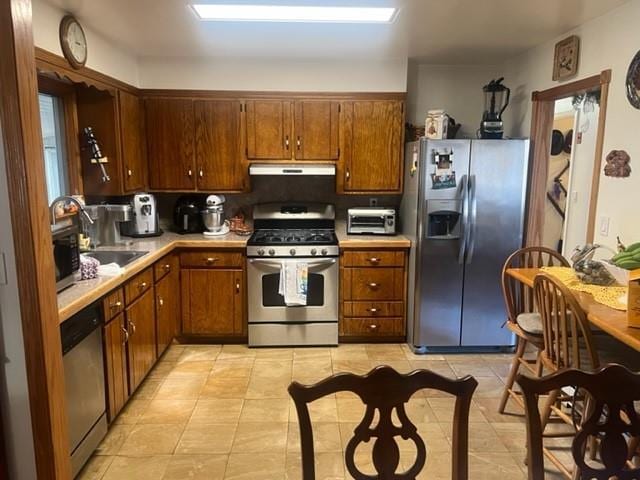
443, 219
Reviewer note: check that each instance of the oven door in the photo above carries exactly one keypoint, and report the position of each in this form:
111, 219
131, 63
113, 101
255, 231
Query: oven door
267, 305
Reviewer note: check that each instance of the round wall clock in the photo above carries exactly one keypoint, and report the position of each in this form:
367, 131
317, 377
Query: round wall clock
633, 81
73, 41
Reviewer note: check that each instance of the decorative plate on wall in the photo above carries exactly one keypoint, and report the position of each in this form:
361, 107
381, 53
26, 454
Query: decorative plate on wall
633, 81
565, 60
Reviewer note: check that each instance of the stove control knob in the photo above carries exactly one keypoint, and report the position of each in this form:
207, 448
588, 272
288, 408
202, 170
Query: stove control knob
324, 251
261, 251
272, 252
292, 252
314, 251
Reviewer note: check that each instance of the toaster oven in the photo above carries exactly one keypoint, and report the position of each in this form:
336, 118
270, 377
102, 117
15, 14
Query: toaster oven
371, 221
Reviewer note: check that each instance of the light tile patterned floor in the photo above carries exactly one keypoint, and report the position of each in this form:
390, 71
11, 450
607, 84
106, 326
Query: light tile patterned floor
223, 412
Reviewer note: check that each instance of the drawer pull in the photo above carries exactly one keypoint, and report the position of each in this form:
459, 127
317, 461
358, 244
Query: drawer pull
372, 310
126, 335
133, 327
142, 285
374, 260
237, 286
211, 260
373, 327
374, 285
116, 305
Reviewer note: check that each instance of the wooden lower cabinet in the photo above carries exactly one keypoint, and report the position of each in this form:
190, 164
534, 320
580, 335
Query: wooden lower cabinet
373, 290
141, 348
212, 302
115, 340
167, 309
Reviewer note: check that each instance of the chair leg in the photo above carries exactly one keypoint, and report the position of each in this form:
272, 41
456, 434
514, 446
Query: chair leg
515, 366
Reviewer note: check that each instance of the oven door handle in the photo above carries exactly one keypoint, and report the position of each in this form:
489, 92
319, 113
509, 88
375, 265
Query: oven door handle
271, 263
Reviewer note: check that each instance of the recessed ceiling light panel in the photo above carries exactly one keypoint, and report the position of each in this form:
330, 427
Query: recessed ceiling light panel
286, 13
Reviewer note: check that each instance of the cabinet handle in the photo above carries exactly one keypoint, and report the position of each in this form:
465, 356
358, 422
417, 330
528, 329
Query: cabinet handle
142, 285
116, 305
237, 286
133, 327
347, 175
374, 260
373, 285
373, 327
211, 260
129, 172
372, 310
189, 173
286, 142
299, 142
167, 267
160, 301
126, 335
201, 173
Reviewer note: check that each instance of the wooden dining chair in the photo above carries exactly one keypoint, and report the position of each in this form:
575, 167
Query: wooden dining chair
522, 319
385, 391
613, 419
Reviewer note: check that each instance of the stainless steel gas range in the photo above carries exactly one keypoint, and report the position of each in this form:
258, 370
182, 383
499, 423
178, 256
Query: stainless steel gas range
299, 236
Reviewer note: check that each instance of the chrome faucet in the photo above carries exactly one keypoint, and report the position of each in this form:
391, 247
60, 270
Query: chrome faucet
67, 198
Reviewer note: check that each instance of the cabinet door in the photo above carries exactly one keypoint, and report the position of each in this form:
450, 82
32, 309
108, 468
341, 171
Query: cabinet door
219, 151
115, 338
141, 352
268, 129
167, 309
170, 135
132, 137
371, 151
316, 127
212, 301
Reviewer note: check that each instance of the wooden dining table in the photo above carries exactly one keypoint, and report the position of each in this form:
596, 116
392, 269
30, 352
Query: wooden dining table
607, 319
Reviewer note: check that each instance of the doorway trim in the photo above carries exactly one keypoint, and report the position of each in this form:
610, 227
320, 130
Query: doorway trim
541, 126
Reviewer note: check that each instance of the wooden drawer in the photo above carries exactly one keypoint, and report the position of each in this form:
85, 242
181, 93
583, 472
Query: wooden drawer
167, 264
393, 326
113, 304
373, 258
212, 259
373, 309
373, 284
138, 285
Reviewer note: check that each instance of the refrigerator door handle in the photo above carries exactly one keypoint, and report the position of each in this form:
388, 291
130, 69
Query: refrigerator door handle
474, 215
464, 226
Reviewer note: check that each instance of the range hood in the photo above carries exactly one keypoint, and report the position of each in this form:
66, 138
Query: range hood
292, 169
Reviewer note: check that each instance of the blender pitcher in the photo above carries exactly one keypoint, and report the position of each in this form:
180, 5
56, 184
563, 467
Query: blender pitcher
496, 99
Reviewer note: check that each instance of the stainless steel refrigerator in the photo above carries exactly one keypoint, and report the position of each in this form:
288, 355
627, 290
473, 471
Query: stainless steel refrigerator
463, 209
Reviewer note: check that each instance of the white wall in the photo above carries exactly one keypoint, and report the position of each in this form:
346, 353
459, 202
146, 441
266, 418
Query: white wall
102, 56
609, 41
14, 392
455, 88
275, 74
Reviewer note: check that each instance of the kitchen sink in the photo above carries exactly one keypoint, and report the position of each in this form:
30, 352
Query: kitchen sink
120, 257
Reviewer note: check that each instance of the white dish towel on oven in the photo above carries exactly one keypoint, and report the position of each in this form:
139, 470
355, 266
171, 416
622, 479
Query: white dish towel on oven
293, 282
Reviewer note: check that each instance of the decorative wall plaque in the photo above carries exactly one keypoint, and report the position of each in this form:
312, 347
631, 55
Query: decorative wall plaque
565, 61
618, 164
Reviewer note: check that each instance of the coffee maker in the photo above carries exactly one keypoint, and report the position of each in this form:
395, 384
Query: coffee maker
496, 99
145, 217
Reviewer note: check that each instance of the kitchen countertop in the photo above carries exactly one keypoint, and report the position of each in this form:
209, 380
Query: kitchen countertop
85, 292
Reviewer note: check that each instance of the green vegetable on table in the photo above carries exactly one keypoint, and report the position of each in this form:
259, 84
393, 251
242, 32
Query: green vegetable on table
629, 258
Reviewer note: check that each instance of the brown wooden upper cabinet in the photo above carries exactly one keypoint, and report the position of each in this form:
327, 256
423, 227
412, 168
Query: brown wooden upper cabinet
220, 161
268, 129
134, 162
371, 136
170, 143
316, 130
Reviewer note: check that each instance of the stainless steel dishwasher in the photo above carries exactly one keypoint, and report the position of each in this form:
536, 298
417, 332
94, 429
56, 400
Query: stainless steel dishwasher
84, 379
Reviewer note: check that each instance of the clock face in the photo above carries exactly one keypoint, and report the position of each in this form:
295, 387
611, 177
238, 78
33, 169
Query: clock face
73, 41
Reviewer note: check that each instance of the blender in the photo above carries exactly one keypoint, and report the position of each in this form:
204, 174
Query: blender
213, 216
496, 99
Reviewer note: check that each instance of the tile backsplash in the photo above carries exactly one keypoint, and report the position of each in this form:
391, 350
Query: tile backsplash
284, 189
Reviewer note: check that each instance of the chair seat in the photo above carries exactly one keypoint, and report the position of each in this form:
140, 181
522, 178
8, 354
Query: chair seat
530, 323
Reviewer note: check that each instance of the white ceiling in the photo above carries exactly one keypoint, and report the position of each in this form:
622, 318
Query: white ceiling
431, 31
